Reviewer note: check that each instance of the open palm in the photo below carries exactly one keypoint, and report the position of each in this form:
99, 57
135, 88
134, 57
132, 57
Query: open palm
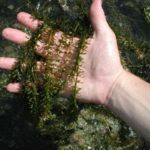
101, 64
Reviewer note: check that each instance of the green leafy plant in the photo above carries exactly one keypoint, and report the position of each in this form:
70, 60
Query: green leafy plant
64, 123
40, 90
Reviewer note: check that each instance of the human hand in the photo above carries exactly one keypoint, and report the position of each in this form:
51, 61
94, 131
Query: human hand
100, 66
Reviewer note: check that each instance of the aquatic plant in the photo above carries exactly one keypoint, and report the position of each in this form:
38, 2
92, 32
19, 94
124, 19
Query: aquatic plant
63, 122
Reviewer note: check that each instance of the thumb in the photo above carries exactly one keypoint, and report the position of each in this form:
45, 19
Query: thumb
97, 16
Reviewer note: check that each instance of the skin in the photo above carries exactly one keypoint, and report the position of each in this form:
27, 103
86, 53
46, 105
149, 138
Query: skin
103, 79
102, 54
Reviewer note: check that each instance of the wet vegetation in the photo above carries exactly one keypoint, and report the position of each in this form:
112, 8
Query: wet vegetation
38, 118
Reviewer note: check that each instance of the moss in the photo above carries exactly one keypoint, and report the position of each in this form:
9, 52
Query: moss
63, 123
147, 14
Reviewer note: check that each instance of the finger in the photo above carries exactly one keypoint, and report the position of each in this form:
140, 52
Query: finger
15, 35
97, 16
7, 63
13, 87
16, 87
28, 21
20, 37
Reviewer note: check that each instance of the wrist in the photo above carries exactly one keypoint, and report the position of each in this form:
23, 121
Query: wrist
115, 86
99, 91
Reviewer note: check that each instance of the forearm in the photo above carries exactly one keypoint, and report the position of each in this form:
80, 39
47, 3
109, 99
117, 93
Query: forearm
130, 99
